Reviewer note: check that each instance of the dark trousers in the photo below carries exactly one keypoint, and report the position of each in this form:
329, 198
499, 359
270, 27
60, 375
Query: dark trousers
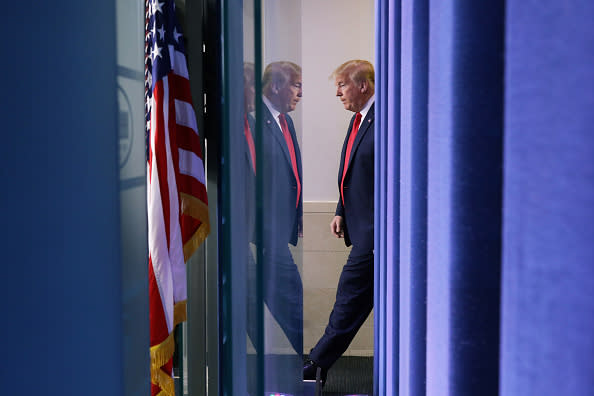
283, 294
354, 302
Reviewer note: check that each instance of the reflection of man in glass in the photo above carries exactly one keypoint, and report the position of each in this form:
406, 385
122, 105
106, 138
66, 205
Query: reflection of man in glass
280, 173
249, 88
354, 218
249, 167
282, 201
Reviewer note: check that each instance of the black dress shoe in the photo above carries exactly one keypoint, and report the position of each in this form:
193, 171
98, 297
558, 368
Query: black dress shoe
310, 369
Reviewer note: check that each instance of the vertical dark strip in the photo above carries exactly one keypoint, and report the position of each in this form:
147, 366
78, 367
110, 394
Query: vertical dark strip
476, 196
232, 222
419, 168
258, 69
392, 132
413, 198
225, 219
213, 81
379, 366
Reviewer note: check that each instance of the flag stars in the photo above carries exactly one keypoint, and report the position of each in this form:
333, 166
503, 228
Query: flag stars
157, 6
156, 51
153, 31
176, 35
161, 32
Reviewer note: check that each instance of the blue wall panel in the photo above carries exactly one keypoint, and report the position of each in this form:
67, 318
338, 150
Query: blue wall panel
548, 275
61, 295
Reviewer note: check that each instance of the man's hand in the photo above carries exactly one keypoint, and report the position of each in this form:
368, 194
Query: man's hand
337, 227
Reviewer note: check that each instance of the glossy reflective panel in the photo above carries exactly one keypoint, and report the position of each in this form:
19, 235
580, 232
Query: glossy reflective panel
273, 176
132, 165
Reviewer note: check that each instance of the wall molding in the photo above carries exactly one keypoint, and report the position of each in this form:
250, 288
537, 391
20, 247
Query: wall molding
319, 206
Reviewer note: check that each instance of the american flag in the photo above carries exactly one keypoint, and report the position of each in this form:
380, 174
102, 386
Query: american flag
176, 192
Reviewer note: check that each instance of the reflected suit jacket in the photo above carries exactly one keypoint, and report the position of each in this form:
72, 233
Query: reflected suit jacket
357, 210
282, 213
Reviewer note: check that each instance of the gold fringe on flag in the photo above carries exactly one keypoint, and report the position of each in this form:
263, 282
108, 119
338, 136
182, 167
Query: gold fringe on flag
164, 381
179, 312
160, 355
197, 209
163, 352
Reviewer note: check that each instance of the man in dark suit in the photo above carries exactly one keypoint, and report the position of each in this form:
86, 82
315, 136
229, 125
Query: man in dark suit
353, 219
279, 168
282, 201
277, 164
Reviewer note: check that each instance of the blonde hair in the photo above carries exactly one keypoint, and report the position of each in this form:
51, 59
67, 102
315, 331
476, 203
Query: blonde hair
357, 70
279, 74
248, 73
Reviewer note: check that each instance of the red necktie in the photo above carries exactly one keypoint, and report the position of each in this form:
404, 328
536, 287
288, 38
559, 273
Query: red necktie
289, 140
250, 141
347, 154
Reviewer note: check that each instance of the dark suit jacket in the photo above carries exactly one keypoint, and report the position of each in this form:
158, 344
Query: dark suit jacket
282, 214
282, 286
357, 210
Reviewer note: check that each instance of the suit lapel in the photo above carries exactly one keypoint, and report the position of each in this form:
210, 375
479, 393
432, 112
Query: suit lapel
344, 147
295, 145
363, 128
273, 128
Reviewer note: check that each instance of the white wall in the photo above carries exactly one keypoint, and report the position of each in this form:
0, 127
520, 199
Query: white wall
319, 35
332, 32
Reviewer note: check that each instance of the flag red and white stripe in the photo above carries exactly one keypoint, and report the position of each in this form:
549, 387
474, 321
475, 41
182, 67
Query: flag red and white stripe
176, 192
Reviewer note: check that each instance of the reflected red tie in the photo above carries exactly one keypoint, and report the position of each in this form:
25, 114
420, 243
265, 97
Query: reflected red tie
250, 141
289, 140
347, 154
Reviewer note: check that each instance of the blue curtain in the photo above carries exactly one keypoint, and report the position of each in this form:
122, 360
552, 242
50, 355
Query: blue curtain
484, 266
440, 95
386, 213
548, 257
